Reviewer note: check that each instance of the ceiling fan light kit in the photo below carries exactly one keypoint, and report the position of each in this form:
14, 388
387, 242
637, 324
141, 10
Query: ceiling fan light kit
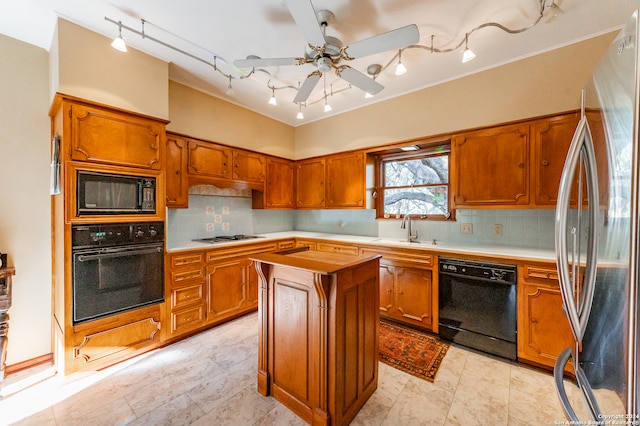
327, 53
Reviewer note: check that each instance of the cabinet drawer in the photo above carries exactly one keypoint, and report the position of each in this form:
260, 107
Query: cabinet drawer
187, 318
306, 243
191, 274
286, 245
337, 248
187, 296
541, 272
186, 259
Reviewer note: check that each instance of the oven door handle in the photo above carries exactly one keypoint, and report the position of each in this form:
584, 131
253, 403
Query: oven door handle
118, 253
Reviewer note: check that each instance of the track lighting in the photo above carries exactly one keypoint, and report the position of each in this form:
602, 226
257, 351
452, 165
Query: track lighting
118, 42
272, 100
400, 68
468, 54
300, 115
327, 107
230, 91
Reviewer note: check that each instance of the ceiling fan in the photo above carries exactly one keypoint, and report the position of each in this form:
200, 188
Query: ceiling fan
326, 52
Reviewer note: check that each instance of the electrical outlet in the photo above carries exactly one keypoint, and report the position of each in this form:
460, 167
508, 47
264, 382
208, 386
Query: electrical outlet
210, 227
466, 228
497, 229
211, 210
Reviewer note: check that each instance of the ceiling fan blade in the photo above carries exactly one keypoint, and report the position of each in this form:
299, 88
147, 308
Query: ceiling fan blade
307, 87
359, 80
395, 39
305, 17
267, 62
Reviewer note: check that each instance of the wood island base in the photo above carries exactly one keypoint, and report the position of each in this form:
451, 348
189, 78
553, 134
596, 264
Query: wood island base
318, 332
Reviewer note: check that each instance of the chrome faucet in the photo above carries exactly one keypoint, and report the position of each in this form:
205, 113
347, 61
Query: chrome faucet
411, 236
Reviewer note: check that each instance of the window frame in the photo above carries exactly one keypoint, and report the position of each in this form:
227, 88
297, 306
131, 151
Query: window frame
431, 150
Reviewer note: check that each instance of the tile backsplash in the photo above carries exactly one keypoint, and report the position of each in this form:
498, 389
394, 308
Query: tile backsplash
211, 215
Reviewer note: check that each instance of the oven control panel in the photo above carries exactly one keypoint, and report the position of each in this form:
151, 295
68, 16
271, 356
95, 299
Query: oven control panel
116, 234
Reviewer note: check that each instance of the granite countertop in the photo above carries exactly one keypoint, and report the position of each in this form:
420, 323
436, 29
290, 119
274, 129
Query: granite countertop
441, 248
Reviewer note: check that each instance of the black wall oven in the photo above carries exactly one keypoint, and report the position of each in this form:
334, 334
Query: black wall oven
477, 305
116, 268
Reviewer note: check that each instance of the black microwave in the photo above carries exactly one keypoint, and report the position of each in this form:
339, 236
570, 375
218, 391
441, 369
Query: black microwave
112, 194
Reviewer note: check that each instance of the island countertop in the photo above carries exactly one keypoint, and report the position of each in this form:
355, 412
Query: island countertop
313, 261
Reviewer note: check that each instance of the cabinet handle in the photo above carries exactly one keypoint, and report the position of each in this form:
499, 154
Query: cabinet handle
401, 293
389, 291
177, 172
188, 319
545, 163
534, 321
521, 165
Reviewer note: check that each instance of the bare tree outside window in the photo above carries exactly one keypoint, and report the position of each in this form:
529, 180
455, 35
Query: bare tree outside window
416, 185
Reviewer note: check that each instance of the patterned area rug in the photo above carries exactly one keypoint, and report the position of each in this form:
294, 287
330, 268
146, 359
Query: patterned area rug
411, 351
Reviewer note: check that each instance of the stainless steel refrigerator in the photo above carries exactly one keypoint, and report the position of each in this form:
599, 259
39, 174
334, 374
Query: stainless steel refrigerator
597, 244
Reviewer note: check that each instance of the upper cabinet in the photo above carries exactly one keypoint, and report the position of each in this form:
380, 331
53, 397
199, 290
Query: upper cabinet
310, 183
207, 159
512, 166
551, 140
249, 166
278, 191
490, 167
177, 184
346, 180
336, 181
107, 136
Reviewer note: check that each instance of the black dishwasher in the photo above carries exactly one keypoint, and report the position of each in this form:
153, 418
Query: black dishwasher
477, 305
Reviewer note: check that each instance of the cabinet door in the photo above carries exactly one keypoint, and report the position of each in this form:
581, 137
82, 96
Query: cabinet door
279, 185
413, 295
310, 176
551, 140
208, 159
110, 137
346, 180
387, 279
248, 166
491, 167
543, 331
226, 289
177, 184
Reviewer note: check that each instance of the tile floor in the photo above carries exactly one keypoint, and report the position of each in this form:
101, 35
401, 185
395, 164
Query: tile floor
210, 379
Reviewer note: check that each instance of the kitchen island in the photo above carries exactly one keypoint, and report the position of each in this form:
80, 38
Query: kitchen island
318, 332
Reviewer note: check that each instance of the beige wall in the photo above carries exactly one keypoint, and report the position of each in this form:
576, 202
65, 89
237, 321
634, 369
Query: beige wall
89, 68
25, 215
197, 114
543, 84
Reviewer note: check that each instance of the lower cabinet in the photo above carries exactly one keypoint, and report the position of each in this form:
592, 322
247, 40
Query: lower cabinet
207, 287
408, 292
543, 328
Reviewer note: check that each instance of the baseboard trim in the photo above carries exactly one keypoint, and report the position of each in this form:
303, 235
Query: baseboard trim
24, 365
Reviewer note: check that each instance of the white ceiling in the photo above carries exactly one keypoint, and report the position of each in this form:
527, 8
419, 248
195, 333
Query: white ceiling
232, 30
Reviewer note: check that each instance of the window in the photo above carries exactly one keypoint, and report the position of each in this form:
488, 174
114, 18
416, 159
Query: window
416, 184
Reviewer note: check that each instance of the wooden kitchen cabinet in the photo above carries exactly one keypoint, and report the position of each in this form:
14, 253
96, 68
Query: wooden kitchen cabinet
186, 291
106, 135
543, 328
551, 139
177, 182
346, 180
408, 288
310, 183
306, 243
490, 167
209, 160
226, 288
249, 166
278, 191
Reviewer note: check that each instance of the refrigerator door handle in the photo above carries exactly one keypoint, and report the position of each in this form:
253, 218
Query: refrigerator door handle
583, 384
577, 297
558, 377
